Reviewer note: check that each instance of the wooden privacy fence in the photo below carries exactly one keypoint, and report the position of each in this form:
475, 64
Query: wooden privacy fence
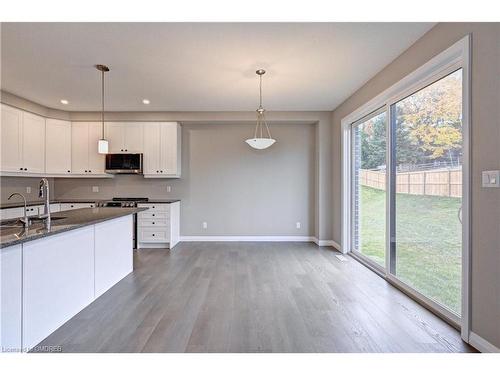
440, 182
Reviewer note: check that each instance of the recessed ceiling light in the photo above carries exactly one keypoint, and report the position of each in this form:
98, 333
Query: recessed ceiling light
145, 101
64, 101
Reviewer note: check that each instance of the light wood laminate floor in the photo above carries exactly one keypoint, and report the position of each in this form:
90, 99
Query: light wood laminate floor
253, 297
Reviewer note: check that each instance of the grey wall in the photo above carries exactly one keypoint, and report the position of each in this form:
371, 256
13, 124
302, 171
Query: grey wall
485, 153
10, 185
234, 188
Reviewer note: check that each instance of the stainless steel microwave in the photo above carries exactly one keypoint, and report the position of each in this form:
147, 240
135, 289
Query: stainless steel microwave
124, 163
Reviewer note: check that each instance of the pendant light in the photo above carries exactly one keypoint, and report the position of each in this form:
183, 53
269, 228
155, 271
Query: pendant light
258, 141
102, 146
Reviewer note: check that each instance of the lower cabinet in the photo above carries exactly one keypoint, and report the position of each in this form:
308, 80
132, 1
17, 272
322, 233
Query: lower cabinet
58, 281
11, 298
11, 213
75, 206
158, 227
46, 282
113, 257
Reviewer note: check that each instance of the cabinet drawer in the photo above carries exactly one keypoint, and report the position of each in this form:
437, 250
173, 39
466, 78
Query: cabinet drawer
151, 215
153, 235
153, 222
156, 207
75, 206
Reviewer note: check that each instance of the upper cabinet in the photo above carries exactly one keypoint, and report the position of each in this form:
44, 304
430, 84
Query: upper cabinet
57, 146
162, 150
125, 137
33, 146
11, 139
23, 141
85, 159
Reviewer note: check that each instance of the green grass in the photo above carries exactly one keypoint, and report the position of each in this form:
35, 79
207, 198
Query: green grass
428, 241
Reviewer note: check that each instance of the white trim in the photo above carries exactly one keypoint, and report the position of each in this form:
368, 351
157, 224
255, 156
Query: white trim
331, 243
455, 57
55, 175
481, 344
247, 239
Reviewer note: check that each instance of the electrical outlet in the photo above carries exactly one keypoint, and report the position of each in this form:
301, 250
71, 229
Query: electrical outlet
491, 178
95, 189
169, 188
297, 224
28, 189
204, 225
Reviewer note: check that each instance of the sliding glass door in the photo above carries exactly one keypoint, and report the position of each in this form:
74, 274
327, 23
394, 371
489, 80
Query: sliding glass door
426, 191
421, 136
368, 187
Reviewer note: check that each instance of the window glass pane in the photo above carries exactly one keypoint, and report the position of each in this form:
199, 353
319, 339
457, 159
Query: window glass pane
368, 203
428, 197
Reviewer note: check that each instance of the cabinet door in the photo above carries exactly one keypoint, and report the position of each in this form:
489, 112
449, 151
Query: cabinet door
11, 213
11, 297
57, 146
115, 137
80, 147
169, 148
58, 281
33, 143
133, 137
152, 148
96, 160
11, 139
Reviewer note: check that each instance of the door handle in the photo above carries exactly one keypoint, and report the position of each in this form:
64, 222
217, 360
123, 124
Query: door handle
460, 214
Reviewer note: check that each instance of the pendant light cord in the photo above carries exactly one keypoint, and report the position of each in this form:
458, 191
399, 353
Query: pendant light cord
261, 118
102, 102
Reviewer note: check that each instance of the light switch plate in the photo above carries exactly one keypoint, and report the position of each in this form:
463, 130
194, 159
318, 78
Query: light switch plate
28, 189
491, 179
169, 188
95, 189
204, 225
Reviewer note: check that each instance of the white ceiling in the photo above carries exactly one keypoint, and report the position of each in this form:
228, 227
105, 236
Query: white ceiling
198, 66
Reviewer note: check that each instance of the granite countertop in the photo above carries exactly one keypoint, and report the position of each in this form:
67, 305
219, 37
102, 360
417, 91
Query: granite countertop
62, 222
89, 200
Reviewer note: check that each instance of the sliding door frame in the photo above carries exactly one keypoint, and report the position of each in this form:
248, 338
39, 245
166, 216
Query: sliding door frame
455, 57
358, 253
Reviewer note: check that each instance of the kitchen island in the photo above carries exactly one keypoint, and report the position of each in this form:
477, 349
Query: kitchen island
48, 276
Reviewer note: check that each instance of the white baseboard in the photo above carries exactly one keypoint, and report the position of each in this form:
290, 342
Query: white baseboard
260, 239
481, 344
247, 239
331, 243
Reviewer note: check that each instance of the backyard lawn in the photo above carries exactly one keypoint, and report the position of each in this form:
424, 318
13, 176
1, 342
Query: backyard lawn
428, 241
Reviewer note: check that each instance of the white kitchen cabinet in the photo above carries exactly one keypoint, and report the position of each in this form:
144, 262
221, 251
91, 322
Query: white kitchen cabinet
35, 210
158, 227
58, 142
162, 150
11, 213
11, 298
75, 206
55, 207
96, 160
151, 157
11, 136
125, 137
23, 141
58, 281
33, 143
85, 159
113, 252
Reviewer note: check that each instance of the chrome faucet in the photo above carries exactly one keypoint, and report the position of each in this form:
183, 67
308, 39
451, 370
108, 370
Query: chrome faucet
25, 219
44, 191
